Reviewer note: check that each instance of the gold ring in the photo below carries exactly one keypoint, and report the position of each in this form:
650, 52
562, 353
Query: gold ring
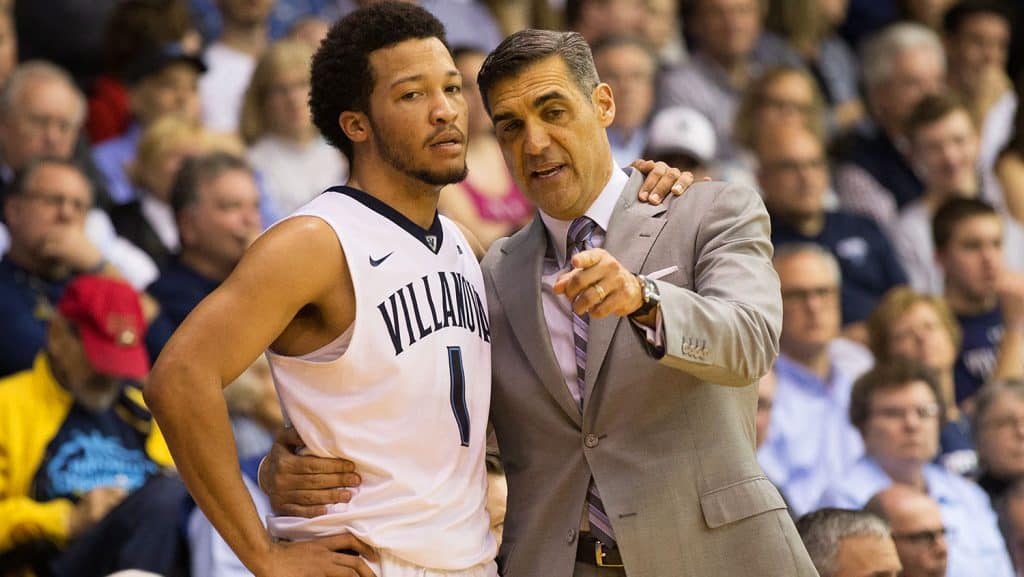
600, 292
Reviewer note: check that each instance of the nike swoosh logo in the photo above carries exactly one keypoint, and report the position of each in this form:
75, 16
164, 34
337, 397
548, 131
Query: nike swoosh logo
376, 261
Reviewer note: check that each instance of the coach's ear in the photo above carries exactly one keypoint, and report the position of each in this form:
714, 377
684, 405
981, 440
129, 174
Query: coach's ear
355, 125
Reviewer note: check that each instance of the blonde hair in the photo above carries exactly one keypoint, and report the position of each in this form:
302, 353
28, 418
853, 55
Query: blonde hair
163, 135
895, 304
283, 55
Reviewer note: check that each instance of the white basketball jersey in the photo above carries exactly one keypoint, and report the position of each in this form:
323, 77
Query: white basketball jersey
408, 399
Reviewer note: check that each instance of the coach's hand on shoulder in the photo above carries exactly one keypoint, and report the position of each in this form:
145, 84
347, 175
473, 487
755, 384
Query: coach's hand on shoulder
324, 557
303, 485
661, 179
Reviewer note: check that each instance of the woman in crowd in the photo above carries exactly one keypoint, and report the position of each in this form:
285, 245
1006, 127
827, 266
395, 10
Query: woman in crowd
295, 162
911, 325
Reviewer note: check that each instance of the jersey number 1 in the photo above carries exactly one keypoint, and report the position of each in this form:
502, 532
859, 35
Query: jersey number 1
458, 397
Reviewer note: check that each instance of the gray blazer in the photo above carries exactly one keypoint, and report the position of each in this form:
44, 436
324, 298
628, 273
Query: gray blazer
669, 441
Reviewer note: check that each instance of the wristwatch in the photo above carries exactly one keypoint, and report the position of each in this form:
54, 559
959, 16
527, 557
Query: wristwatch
651, 296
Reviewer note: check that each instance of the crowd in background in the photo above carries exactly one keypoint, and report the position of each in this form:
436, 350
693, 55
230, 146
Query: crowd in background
151, 141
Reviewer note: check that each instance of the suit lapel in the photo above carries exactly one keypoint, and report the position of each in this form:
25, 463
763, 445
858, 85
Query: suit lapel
631, 234
518, 285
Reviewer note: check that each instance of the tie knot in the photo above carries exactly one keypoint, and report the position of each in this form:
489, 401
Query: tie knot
580, 232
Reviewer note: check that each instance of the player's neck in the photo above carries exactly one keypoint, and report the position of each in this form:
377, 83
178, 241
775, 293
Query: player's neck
413, 198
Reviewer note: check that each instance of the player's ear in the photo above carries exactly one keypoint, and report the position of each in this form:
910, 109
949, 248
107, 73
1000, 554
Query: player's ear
355, 125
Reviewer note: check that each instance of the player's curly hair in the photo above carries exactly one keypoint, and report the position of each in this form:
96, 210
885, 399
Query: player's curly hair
341, 77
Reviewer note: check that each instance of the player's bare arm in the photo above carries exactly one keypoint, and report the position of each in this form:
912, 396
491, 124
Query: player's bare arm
295, 269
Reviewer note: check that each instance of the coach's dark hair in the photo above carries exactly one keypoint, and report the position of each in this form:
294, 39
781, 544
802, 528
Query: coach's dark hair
341, 77
892, 375
197, 171
527, 47
952, 213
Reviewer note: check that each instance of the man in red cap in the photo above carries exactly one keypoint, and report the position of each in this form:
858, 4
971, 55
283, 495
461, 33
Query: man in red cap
83, 489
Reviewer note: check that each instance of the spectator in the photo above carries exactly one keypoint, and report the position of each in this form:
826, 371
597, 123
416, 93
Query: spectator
83, 489
810, 441
988, 300
999, 434
216, 206
488, 202
731, 52
782, 96
595, 19
295, 161
148, 220
809, 26
976, 34
309, 30
844, 543
944, 144
682, 138
661, 29
41, 114
1009, 166
794, 177
902, 64
134, 27
925, 12
161, 82
46, 210
232, 59
897, 407
919, 327
917, 529
629, 66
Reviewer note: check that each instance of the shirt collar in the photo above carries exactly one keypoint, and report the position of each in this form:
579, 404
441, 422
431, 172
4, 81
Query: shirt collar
600, 211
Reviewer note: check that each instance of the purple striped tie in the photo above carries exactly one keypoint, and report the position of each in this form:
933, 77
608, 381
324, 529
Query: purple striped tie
580, 232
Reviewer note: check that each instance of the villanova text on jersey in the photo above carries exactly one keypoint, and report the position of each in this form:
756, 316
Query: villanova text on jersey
437, 302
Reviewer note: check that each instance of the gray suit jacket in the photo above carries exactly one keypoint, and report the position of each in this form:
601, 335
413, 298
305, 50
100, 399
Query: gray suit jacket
670, 441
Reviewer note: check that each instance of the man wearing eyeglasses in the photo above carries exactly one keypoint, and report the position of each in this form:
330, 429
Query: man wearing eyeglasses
898, 410
46, 214
917, 529
794, 176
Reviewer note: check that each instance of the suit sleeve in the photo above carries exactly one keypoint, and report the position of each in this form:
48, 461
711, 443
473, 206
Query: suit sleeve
726, 330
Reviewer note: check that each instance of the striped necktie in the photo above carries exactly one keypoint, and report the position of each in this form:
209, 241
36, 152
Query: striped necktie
581, 232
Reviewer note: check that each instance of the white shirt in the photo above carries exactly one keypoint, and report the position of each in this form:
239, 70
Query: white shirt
160, 216
295, 173
222, 87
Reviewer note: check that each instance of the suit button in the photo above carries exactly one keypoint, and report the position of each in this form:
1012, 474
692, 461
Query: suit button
591, 441
570, 537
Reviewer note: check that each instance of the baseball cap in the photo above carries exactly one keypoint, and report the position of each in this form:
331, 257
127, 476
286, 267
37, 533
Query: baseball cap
108, 315
156, 59
681, 129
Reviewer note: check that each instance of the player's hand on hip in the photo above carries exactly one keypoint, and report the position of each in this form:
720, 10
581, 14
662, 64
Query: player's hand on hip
598, 284
324, 557
303, 485
660, 181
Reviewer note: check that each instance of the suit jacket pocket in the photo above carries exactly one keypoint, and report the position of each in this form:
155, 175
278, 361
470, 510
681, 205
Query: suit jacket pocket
740, 500
504, 559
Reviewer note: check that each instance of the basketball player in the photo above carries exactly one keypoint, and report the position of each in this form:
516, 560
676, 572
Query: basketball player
373, 313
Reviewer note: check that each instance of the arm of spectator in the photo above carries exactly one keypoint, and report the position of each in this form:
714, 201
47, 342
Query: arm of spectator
23, 519
1010, 357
